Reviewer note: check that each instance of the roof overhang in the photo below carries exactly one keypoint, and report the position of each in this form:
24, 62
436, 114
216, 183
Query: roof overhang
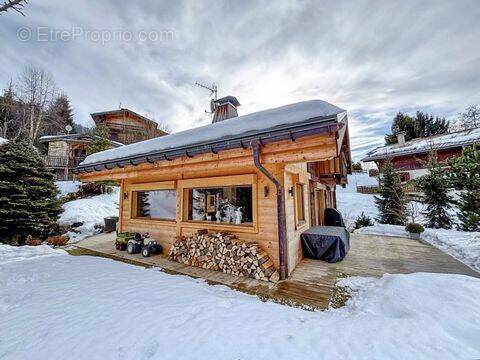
387, 155
313, 126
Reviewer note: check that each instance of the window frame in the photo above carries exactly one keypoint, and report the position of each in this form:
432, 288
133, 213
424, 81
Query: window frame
215, 182
154, 186
299, 223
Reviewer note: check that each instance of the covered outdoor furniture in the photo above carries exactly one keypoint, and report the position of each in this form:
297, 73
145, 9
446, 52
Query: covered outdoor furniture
328, 243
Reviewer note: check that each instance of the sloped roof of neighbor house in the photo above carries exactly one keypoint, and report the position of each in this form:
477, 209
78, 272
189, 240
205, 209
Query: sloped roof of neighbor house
263, 124
82, 138
424, 145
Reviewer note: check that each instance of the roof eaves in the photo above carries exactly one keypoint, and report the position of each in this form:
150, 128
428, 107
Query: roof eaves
309, 127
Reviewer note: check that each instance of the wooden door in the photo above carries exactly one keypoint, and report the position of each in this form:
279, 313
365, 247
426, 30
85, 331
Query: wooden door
318, 207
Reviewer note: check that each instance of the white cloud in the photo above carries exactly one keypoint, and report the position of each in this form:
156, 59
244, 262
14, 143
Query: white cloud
371, 58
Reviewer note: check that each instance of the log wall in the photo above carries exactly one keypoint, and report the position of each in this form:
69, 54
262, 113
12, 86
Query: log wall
263, 231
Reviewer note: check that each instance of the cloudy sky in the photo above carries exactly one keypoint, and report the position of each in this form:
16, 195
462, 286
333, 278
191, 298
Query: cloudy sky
372, 58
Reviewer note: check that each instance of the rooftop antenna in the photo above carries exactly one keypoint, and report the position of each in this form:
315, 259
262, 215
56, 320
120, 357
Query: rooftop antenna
213, 92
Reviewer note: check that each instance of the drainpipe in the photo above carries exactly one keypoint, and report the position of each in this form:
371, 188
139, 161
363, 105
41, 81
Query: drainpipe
282, 240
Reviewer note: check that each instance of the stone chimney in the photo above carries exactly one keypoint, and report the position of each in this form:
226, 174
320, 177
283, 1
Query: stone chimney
224, 108
401, 138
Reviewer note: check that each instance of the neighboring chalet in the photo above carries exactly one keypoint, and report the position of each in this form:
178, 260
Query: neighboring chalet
265, 177
126, 126
410, 157
67, 151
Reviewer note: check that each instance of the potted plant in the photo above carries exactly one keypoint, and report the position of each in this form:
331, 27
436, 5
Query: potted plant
414, 229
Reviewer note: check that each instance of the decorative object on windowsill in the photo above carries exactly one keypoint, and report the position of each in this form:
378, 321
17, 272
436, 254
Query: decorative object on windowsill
238, 215
218, 216
209, 218
210, 203
415, 230
222, 252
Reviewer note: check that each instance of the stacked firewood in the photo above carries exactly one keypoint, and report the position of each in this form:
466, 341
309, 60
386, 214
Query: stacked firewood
222, 252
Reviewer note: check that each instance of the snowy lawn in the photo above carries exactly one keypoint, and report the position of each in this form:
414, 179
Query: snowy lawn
464, 246
89, 211
62, 306
351, 203
67, 187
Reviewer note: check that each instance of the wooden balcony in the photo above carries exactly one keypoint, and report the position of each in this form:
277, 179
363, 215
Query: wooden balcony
61, 162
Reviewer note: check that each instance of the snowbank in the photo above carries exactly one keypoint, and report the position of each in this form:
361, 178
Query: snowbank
383, 229
21, 253
464, 246
90, 212
67, 187
104, 309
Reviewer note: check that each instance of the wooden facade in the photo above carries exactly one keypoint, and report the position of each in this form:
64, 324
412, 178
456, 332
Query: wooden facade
297, 164
65, 152
126, 126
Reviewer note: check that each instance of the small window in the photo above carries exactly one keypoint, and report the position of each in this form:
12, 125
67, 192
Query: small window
156, 204
299, 203
225, 205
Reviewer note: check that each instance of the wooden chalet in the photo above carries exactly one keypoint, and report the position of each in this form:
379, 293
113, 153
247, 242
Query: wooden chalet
265, 177
65, 152
126, 126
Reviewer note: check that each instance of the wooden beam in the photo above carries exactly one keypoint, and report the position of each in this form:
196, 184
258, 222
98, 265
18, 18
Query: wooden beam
313, 148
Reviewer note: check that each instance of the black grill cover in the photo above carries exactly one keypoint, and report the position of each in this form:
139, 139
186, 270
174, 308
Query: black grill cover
333, 217
328, 243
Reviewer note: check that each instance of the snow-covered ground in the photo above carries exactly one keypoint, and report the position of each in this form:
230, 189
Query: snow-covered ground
89, 211
81, 307
67, 187
464, 246
351, 203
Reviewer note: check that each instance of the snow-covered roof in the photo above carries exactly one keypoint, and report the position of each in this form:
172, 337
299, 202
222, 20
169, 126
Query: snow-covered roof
424, 145
287, 116
73, 138
3, 141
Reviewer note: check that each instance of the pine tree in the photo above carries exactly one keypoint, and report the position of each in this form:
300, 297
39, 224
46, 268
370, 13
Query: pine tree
100, 140
465, 176
421, 125
28, 203
391, 202
435, 187
59, 115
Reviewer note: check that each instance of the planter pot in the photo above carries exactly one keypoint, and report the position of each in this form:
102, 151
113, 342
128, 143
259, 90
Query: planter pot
415, 236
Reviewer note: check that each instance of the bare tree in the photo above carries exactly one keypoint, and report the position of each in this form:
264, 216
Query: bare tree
36, 89
469, 119
16, 5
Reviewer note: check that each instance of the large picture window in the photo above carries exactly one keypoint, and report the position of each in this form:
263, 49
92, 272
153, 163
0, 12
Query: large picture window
156, 204
224, 205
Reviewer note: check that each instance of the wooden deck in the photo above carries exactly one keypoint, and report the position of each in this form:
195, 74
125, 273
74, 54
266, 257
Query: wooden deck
312, 283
